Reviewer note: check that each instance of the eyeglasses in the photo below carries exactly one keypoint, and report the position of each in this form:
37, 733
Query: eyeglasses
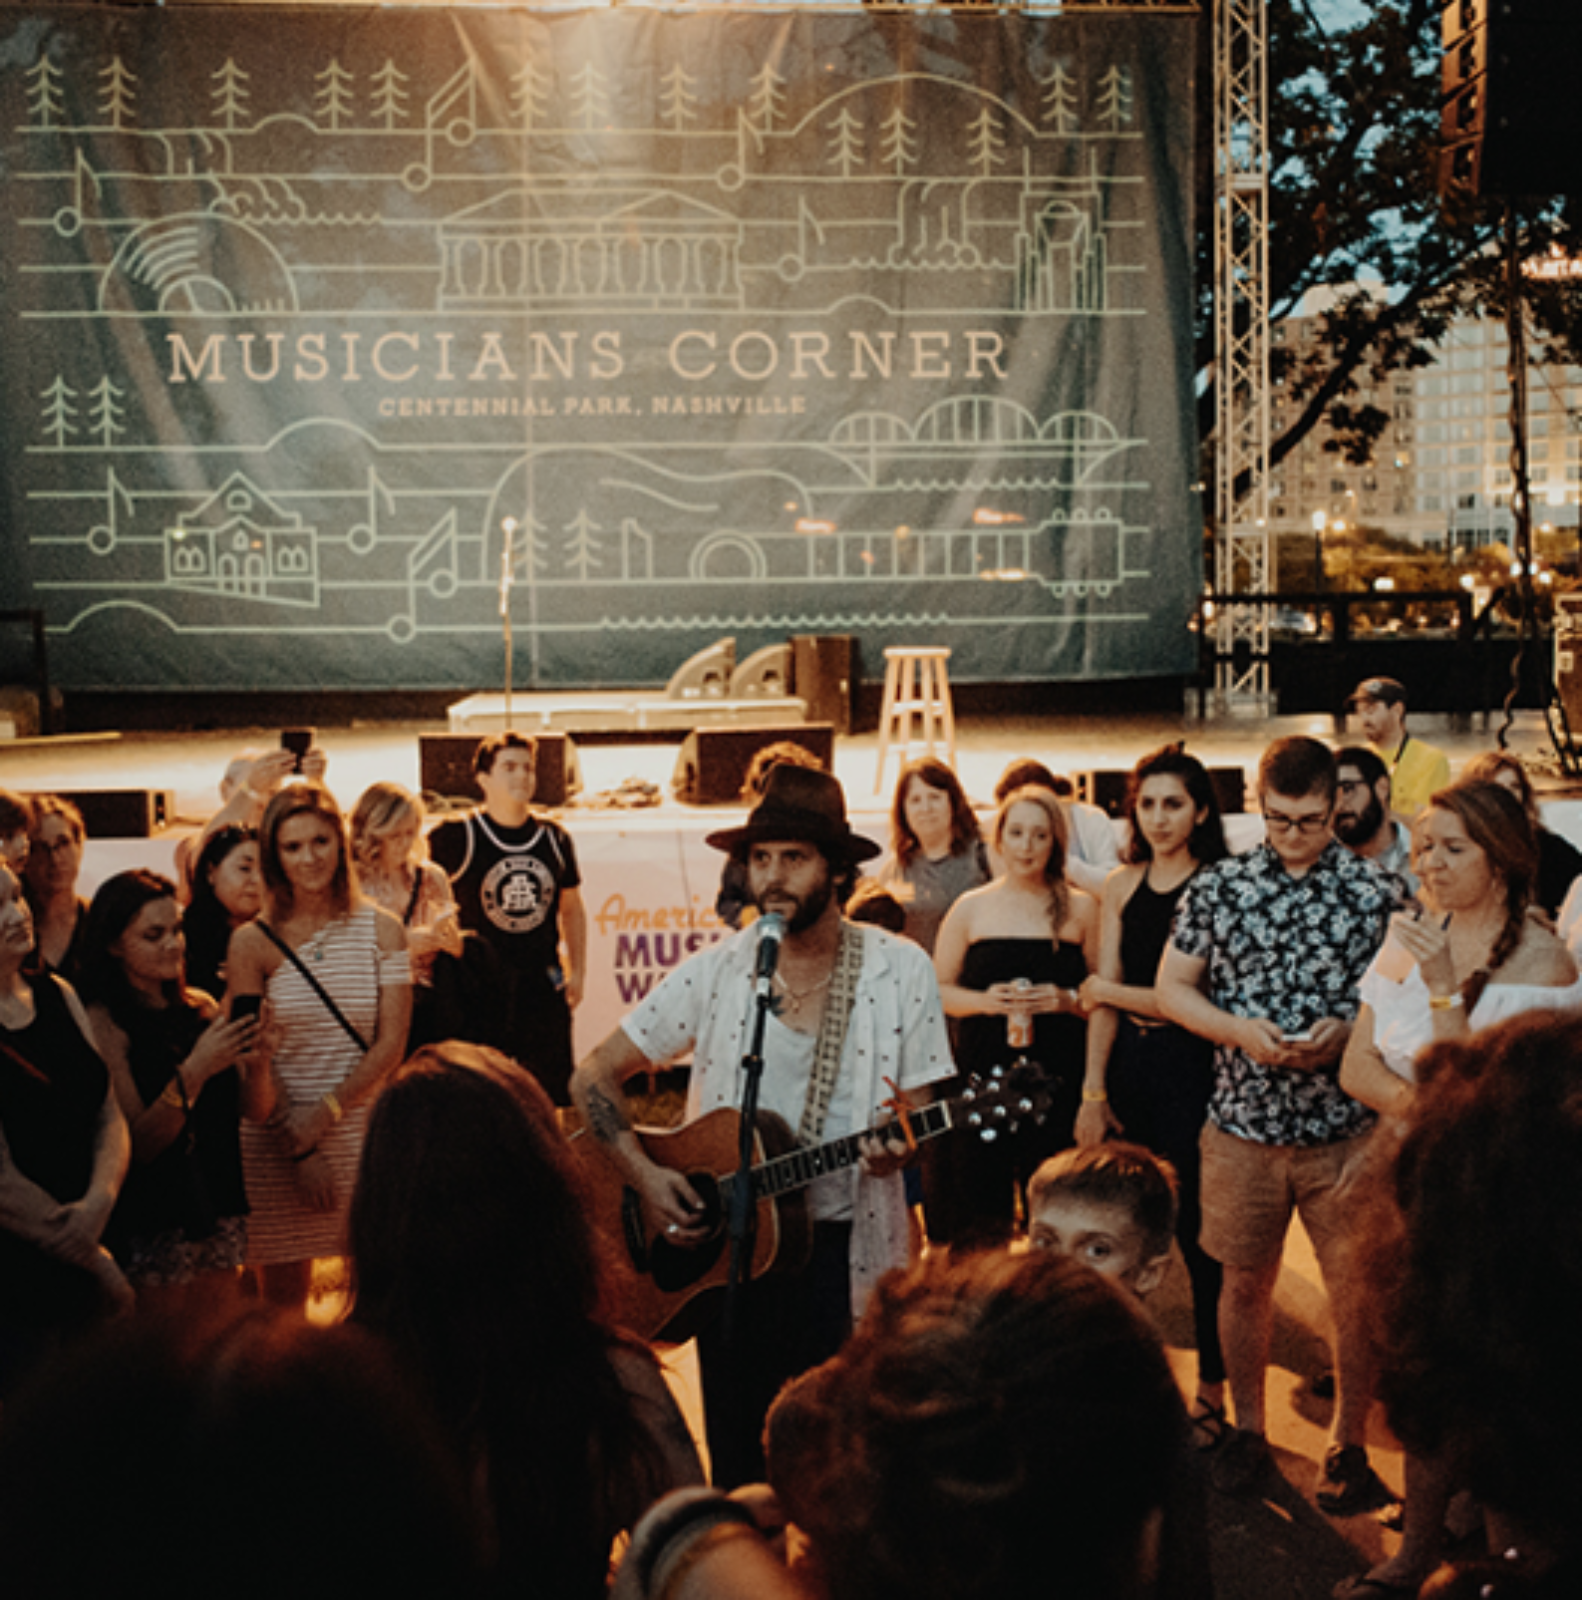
1315, 822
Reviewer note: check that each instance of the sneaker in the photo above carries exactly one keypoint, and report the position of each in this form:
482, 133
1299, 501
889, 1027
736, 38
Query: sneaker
1348, 1484
1241, 1464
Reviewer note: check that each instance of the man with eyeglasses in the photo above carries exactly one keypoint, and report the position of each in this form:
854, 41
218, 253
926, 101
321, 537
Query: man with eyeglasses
1264, 960
1364, 822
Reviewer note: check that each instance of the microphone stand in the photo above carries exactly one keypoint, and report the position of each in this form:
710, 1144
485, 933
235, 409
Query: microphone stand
741, 1223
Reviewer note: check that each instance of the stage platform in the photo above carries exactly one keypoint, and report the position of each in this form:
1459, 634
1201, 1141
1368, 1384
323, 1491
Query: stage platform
620, 716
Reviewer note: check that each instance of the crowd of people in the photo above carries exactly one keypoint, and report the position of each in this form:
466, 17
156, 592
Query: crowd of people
350, 1037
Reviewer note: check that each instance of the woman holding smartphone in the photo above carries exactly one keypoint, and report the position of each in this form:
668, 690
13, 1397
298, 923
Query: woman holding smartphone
334, 967
181, 1072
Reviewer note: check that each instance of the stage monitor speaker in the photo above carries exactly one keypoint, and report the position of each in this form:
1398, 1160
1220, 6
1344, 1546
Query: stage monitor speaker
824, 677
1106, 789
713, 763
445, 767
119, 813
1510, 116
764, 675
705, 676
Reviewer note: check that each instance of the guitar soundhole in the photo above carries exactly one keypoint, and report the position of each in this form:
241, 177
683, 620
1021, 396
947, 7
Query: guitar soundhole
674, 1266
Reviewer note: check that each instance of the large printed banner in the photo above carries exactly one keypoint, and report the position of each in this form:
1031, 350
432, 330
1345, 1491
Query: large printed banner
323, 329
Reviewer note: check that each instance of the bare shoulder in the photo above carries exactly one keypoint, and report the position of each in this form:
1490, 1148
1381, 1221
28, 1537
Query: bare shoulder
1540, 959
1121, 885
387, 928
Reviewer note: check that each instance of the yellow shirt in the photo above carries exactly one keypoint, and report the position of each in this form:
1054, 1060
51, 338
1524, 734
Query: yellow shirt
1417, 770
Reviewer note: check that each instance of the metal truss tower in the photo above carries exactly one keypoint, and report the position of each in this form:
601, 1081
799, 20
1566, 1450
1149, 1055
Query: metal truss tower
1242, 553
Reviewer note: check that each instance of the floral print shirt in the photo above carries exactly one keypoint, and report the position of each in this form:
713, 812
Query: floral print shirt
1292, 950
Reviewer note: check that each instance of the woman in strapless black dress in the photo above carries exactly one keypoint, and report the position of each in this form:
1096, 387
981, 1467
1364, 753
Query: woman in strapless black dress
1011, 957
1147, 1079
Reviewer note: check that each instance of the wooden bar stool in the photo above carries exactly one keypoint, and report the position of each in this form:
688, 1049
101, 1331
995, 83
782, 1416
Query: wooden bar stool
916, 684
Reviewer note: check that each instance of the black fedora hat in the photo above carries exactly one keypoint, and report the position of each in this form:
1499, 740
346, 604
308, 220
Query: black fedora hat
804, 805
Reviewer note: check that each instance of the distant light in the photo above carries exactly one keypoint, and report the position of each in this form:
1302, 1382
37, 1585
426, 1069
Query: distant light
1006, 575
1468, 581
1384, 584
815, 525
985, 518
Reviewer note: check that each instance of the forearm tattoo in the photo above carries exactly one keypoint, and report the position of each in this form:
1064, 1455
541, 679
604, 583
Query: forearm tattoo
605, 1118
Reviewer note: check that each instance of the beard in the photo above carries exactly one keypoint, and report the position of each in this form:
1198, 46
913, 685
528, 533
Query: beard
810, 907
1358, 827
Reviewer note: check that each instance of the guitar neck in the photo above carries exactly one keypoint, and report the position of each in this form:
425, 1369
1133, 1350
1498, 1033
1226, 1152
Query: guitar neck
798, 1168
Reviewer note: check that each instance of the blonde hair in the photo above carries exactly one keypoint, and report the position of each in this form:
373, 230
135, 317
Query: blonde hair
381, 809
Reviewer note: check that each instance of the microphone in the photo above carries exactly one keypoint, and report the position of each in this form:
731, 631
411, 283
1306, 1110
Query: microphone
771, 930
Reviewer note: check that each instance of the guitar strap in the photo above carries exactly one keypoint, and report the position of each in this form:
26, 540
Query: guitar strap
831, 1043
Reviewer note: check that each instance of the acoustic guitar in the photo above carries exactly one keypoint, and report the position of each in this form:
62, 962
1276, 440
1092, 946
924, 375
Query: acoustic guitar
665, 1288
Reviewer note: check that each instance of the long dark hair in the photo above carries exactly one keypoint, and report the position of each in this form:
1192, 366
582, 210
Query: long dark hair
1171, 761
473, 1254
116, 906
207, 923
964, 830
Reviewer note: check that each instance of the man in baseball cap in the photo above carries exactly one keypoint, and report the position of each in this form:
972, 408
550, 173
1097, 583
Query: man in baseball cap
1417, 770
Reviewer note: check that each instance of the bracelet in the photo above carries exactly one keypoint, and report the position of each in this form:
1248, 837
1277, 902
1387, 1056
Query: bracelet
1093, 1097
664, 1533
171, 1095
337, 1111
306, 1153
1445, 1002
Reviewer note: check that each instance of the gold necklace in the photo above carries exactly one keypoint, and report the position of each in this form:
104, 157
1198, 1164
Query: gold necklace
794, 997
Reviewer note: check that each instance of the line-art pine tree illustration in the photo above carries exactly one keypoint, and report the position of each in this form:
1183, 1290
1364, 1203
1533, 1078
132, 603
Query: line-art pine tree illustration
1115, 98
335, 95
60, 412
1060, 99
388, 101
118, 98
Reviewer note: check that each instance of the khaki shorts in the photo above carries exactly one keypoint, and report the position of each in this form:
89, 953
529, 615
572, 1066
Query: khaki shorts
1251, 1189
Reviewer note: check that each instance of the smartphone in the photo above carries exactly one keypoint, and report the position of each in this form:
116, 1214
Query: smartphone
1304, 1037
246, 1005
298, 741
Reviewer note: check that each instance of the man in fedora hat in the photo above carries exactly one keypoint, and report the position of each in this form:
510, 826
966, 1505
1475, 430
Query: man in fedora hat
1417, 770
855, 1015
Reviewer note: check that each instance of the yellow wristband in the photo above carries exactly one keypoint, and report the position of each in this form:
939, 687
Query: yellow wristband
1094, 1096
336, 1109
1444, 1002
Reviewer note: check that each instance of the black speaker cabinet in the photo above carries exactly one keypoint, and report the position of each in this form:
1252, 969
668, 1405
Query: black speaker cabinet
120, 813
445, 766
824, 675
713, 762
1106, 789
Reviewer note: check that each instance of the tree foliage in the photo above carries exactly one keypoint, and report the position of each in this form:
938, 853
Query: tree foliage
1354, 206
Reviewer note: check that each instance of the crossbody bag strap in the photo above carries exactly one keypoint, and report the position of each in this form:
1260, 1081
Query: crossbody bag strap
831, 1044
317, 987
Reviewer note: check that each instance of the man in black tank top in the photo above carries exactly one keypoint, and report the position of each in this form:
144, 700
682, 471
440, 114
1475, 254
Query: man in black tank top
517, 887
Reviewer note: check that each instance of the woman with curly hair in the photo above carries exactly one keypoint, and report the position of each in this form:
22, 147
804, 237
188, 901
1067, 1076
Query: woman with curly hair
1011, 958
936, 847
472, 1254
1483, 1245
1476, 959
